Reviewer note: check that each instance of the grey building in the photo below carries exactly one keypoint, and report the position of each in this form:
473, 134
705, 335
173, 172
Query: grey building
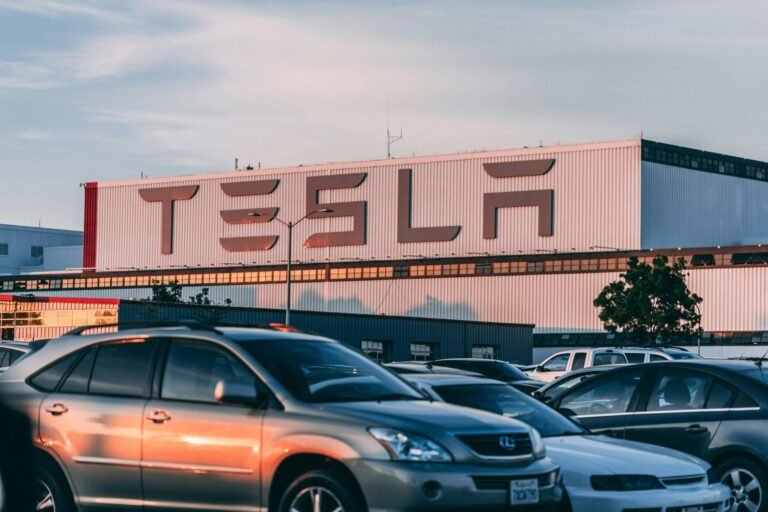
29, 249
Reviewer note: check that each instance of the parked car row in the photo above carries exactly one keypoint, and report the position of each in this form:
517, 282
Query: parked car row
565, 362
195, 417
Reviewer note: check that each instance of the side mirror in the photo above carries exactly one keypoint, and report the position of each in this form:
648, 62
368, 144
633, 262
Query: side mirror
540, 368
570, 413
237, 391
538, 395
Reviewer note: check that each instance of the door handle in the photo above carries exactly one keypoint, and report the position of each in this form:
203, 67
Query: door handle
57, 409
696, 429
159, 417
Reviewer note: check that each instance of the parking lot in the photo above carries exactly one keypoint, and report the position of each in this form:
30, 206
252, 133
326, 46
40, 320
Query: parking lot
191, 416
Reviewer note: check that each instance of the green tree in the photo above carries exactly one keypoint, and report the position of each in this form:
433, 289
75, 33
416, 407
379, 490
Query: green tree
165, 293
172, 292
650, 303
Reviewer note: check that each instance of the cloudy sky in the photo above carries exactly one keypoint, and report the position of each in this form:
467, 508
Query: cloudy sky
102, 90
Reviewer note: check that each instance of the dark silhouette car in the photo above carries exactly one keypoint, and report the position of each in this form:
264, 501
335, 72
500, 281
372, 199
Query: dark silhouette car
714, 409
494, 369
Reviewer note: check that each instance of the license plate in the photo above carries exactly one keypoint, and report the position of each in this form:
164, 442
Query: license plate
524, 492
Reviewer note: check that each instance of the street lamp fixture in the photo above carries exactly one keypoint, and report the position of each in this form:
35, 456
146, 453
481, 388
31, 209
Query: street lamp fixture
290, 225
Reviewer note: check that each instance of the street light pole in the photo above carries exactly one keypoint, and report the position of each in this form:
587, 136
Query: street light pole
288, 275
290, 225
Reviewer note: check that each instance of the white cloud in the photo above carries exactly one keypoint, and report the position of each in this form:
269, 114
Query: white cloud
32, 135
58, 9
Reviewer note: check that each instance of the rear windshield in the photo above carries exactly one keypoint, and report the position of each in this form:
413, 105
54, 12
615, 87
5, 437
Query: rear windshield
320, 372
509, 402
608, 358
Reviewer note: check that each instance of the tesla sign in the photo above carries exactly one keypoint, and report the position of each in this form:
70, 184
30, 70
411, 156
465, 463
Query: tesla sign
357, 211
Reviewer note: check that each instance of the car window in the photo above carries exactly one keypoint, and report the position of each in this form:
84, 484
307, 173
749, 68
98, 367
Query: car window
122, 367
564, 384
13, 356
579, 360
193, 369
657, 357
635, 357
557, 363
602, 358
610, 395
679, 390
720, 395
78, 378
683, 355
743, 401
48, 378
4, 358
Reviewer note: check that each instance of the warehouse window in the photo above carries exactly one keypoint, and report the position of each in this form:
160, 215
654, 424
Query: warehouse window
376, 350
423, 351
37, 251
3, 249
484, 351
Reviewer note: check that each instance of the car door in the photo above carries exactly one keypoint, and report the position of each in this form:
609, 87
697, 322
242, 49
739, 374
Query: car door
604, 403
200, 454
92, 420
683, 410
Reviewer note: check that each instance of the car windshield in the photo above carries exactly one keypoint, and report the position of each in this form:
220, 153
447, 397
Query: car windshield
507, 401
320, 372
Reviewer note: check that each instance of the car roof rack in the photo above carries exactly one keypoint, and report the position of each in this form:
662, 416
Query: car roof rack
189, 324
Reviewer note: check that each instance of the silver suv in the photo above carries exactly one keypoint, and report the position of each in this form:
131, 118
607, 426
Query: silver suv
241, 419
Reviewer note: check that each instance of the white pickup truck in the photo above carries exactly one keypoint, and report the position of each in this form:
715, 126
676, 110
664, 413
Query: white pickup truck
563, 362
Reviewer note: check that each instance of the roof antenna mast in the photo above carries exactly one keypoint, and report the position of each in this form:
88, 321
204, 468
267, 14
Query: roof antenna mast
391, 139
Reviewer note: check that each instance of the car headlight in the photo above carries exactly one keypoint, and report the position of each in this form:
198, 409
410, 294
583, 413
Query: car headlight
410, 447
537, 444
625, 482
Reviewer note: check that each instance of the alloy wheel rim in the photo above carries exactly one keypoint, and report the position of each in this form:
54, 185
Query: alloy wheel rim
745, 490
316, 499
44, 500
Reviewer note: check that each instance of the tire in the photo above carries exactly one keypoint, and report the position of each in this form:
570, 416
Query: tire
332, 488
748, 481
52, 492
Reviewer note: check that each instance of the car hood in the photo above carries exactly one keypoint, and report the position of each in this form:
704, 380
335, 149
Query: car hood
582, 456
421, 416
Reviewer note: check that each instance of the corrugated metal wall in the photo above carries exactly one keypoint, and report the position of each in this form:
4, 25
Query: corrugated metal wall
20, 240
454, 339
734, 298
596, 203
688, 208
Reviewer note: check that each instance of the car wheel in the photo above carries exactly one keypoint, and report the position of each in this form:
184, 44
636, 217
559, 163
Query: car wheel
747, 481
321, 490
51, 491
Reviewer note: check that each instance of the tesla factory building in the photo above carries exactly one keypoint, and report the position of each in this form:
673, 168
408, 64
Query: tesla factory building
527, 236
